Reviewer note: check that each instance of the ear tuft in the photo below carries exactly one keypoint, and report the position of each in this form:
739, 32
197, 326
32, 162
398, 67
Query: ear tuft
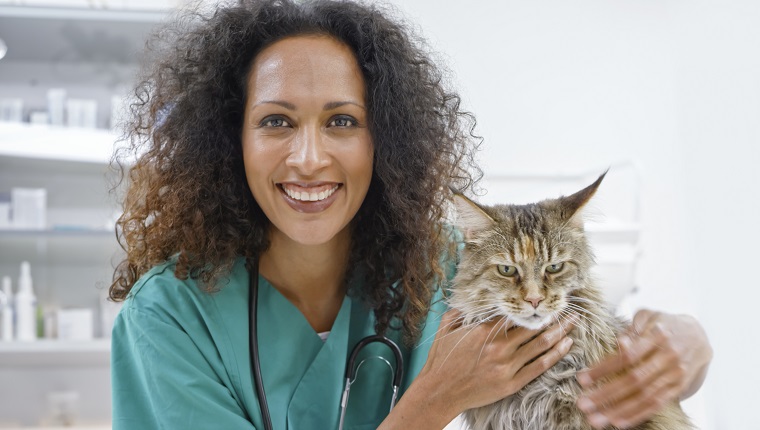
571, 205
471, 219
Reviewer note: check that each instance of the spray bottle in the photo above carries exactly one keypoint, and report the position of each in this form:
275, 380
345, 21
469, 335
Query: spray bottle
6, 310
26, 306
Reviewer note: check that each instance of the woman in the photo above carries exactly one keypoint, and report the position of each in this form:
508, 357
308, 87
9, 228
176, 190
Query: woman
306, 147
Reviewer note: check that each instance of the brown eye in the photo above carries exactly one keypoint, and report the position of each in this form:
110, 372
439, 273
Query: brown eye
508, 271
554, 268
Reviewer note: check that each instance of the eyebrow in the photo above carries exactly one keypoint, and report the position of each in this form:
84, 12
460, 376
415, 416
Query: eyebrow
286, 105
334, 105
327, 106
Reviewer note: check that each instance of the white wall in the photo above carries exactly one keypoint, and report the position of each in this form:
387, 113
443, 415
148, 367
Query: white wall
673, 85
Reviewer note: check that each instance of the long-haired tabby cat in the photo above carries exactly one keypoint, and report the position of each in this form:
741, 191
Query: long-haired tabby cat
530, 264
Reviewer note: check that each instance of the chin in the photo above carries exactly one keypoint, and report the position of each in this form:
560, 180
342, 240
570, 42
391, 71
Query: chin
311, 234
532, 323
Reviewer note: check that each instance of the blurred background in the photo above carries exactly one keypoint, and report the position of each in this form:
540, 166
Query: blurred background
664, 93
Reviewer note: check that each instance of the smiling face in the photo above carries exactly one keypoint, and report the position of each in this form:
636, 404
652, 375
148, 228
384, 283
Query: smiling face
306, 146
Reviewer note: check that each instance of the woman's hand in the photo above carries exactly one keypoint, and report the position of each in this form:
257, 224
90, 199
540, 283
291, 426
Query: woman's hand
468, 367
662, 358
472, 366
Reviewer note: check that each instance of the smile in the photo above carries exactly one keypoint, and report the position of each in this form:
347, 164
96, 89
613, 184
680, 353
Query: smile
309, 194
309, 198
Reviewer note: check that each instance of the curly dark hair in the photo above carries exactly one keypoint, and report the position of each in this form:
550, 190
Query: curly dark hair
188, 195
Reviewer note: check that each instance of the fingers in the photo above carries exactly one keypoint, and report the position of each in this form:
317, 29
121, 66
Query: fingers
543, 342
541, 364
643, 322
627, 384
636, 382
629, 353
635, 409
484, 362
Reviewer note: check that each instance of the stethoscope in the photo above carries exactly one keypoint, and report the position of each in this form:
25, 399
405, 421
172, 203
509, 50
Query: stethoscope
351, 370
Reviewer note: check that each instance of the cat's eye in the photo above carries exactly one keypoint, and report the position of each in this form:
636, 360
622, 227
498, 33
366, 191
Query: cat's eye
554, 268
505, 270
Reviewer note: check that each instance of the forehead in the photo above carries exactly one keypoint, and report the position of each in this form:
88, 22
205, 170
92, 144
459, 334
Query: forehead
306, 66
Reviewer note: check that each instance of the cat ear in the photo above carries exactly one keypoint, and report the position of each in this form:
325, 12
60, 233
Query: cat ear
570, 206
471, 219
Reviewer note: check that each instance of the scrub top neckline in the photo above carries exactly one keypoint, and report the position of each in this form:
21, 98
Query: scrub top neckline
309, 387
324, 335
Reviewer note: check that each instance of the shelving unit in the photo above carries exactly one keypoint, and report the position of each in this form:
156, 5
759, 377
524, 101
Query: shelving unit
92, 53
72, 262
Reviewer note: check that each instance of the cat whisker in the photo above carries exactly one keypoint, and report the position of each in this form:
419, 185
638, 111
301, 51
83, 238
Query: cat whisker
581, 300
592, 326
441, 328
462, 322
471, 328
495, 326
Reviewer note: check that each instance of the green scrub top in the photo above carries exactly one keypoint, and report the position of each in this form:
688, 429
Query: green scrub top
180, 359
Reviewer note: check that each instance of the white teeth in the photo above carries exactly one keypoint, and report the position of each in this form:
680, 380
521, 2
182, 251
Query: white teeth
309, 197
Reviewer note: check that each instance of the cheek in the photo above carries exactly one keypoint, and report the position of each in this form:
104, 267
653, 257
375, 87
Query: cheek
557, 289
360, 159
358, 162
260, 160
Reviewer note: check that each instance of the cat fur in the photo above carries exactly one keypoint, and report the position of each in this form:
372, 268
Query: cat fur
531, 237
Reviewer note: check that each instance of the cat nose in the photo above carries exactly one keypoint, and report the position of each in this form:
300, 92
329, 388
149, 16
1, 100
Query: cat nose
535, 301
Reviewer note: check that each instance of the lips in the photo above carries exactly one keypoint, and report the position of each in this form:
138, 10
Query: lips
309, 198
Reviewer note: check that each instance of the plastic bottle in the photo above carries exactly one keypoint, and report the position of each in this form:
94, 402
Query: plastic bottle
6, 310
26, 306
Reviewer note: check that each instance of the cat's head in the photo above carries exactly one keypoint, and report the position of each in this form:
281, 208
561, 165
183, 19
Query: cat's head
522, 261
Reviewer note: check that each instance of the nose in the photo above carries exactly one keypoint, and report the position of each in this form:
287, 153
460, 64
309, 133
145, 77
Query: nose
534, 300
307, 152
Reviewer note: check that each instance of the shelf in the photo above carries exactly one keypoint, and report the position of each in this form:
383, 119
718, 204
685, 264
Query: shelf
76, 34
57, 143
55, 353
62, 247
57, 11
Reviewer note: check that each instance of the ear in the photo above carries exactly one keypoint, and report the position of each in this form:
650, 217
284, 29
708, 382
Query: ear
471, 219
570, 206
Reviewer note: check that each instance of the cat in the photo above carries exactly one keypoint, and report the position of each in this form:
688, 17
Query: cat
531, 264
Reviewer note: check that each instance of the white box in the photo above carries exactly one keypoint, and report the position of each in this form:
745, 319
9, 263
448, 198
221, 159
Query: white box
29, 208
11, 110
56, 105
75, 324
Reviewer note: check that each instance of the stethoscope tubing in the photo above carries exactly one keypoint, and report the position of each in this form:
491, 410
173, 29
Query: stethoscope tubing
351, 370
253, 305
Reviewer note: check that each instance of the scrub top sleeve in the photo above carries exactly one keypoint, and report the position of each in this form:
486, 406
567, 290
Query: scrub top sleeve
162, 380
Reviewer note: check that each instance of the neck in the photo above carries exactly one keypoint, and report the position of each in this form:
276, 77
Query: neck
311, 277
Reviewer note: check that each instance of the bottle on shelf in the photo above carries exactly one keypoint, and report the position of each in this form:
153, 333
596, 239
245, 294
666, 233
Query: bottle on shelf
26, 306
6, 310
